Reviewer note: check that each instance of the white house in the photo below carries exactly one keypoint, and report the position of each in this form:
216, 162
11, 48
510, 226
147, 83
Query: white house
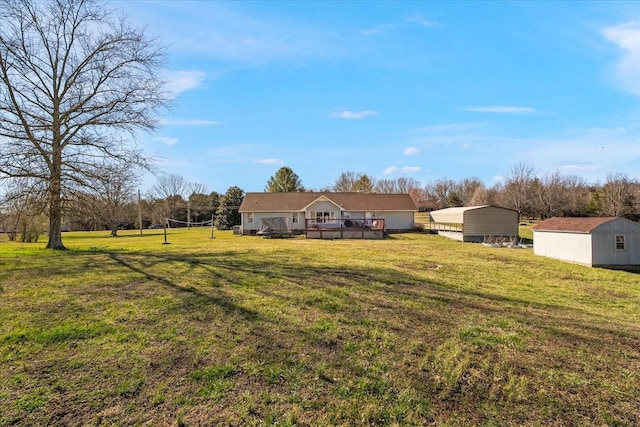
608, 242
475, 223
327, 214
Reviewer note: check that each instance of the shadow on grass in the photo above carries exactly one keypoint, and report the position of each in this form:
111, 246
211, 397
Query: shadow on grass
380, 289
329, 334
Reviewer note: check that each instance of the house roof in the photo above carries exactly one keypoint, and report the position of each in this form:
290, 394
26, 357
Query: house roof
569, 224
291, 202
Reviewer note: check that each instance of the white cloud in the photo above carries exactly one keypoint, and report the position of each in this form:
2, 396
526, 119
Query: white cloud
411, 151
379, 29
466, 146
502, 109
179, 82
390, 170
353, 115
189, 122
166, 140
419, 19
577, 166
269, 161
406, 169
627, 70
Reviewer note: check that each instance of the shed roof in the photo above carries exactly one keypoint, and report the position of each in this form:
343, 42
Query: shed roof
571, 224
290, 202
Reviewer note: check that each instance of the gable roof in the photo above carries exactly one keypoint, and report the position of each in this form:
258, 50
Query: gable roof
569, 224
292, 202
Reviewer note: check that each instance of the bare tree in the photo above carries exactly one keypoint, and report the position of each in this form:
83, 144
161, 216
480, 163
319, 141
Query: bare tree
73, 76
442, 192
169, 193
466, 188
386, 186
111, 195
518, 188
406, 185
22, 206
345, 182
616, 197
551, 195
170, 185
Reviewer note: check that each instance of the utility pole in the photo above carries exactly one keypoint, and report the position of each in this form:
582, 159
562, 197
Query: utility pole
139, 214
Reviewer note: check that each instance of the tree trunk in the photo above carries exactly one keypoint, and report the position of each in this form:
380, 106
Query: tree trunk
55, 201
114, 230
55, 221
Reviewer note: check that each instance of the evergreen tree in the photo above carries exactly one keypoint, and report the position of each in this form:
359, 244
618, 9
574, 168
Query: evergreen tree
227, 214
284, 181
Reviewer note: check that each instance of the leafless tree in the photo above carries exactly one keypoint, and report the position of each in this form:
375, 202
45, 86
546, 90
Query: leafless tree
466, 188
386, 186
481, 196
170, 185
616, 196
518, 188
197, 188
73, 77
169, 194
345, 182
550, 195
110, 195
442, 191
22, 206
405, 185
351, 181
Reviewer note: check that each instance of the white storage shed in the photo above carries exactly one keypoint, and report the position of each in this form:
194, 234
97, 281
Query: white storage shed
608, 242
475, 223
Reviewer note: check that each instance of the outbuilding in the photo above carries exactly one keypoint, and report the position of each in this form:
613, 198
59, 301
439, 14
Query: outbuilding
476, 223
608, 242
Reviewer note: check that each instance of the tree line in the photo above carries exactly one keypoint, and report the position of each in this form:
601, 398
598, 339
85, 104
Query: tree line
522, 189
112, 201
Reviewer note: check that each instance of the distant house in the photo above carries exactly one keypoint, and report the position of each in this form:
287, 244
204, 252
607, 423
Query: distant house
475, 223
608, 242
327, 214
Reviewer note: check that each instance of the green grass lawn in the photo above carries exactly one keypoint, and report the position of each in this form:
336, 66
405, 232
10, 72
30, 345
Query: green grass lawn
411, 330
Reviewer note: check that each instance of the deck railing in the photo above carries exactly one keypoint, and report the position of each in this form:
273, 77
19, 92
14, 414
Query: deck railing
345, 224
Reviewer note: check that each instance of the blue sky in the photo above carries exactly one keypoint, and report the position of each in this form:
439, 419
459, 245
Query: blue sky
395, 89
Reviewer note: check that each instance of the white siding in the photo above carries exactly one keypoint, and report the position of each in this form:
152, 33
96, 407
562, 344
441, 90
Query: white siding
604, 251
398, 220
573, 247
257, 220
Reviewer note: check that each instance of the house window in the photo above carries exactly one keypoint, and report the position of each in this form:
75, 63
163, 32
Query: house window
249, 217
294, 217
620, 242
324, 217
